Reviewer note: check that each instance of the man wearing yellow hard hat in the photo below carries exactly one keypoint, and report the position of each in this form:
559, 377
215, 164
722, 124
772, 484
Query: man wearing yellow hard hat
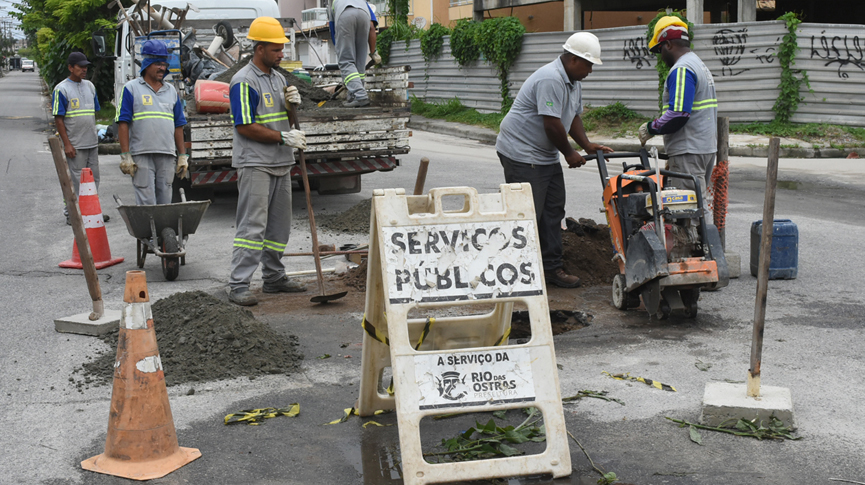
689, 121
262, 153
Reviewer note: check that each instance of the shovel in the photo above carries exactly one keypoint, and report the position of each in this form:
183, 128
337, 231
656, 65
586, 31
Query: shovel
322, 297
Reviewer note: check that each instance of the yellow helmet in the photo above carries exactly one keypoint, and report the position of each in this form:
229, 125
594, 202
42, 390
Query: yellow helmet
662, 25
267, 29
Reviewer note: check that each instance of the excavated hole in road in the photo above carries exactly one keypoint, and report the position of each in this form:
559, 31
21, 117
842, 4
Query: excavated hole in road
202, 338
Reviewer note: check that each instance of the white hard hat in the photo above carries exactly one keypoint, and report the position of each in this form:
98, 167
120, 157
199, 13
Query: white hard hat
585, 45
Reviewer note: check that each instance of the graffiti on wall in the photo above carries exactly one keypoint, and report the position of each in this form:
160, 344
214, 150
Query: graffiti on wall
636, 51
844, 51
730, 47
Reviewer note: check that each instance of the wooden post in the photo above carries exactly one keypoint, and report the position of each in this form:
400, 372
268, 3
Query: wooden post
763, 269
722, 156
77, 227
421, 176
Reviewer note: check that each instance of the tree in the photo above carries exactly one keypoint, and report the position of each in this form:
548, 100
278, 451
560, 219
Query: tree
56, 28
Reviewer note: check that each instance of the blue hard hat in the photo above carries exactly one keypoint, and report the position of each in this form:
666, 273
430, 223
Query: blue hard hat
154, 48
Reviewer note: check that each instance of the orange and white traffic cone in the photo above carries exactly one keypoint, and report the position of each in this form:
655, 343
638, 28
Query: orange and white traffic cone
91, 212
142, 441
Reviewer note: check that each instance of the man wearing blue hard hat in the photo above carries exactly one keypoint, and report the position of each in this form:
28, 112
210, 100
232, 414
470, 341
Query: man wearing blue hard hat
150, 127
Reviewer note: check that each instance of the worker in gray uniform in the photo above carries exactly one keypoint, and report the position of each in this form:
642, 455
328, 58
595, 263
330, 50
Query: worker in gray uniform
352, 34
534, 134
150, 128
74, 104
263, 154
689, 121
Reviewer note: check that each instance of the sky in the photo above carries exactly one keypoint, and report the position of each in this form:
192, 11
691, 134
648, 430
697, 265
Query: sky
7, 6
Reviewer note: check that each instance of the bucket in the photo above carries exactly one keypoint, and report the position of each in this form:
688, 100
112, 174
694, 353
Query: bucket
785, 249
211, 96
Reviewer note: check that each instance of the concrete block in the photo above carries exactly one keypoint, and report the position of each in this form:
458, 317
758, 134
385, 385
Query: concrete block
81, 323
734, 264
729, 402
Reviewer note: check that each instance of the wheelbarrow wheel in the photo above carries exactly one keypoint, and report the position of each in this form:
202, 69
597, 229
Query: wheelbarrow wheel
170, 266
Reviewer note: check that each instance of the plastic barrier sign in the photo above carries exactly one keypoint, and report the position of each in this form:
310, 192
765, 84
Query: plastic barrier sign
451, 262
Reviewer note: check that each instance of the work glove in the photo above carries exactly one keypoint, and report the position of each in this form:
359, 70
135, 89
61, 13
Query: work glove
294, 139
128, 166
375, 57
644, 133
182, 169
292, 96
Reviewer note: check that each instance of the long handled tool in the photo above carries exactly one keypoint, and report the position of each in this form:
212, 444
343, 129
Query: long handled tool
316, 252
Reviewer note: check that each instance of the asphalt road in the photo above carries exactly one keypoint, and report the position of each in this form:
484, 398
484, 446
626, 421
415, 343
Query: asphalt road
813, 339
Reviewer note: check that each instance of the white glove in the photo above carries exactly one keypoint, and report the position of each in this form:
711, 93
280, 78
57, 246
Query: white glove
375, 57
644, 133
294, 139
128, 166
292, 96
182, 169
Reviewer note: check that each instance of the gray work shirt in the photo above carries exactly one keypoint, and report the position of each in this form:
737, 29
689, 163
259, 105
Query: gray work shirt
152, 117
338, 6
700, 134
547, 92
257, 97
76, 103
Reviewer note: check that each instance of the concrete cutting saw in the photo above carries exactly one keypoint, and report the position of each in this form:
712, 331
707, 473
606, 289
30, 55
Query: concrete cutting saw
665, 249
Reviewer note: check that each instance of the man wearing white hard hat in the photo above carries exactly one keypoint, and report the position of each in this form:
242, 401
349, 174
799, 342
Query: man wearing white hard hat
689, 121
534, 134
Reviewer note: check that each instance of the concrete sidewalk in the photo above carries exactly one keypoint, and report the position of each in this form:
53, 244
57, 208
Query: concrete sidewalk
740, 145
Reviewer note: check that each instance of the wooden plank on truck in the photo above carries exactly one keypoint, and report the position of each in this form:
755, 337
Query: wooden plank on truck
389, 136
226, 132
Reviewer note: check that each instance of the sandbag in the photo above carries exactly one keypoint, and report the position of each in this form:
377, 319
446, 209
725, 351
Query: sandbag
211, 97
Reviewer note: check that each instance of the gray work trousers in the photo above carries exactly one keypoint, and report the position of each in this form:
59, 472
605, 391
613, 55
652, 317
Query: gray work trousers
352, 46
548, 194
263, 226
153, 179
84, 158
697, 165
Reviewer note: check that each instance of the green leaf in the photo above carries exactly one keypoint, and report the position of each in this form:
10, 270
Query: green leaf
695, 435
608, 478
325, 356
468, 433
509, 450
703, 366
500, 414
515, 437
489, 428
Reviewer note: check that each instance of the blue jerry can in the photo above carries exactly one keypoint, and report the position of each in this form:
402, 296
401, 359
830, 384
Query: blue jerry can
785, 249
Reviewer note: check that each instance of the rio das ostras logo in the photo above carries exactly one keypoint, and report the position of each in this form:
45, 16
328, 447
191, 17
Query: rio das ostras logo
447, 385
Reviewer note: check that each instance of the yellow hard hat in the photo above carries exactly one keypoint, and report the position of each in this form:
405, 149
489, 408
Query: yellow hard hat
662, 24
267, 29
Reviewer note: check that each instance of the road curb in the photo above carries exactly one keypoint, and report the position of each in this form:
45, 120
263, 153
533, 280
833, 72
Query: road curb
488, 136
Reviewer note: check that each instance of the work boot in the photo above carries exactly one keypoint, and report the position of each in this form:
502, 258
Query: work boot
283, 285
242, 297
561, 279
357, 103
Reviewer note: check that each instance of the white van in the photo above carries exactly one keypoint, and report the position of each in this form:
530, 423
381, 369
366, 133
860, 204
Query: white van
28, 65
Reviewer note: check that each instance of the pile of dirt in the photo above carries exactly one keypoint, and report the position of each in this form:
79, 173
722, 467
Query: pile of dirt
588, 252
356, 277
309, 94
353, 221
201, 338
561, 321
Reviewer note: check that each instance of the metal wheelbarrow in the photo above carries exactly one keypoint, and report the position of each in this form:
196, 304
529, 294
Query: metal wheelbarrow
163, 230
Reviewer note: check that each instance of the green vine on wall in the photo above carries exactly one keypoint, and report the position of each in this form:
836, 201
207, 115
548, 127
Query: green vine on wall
396, 32
500, 40
464, 44
662, 68
432, 40
789, 98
